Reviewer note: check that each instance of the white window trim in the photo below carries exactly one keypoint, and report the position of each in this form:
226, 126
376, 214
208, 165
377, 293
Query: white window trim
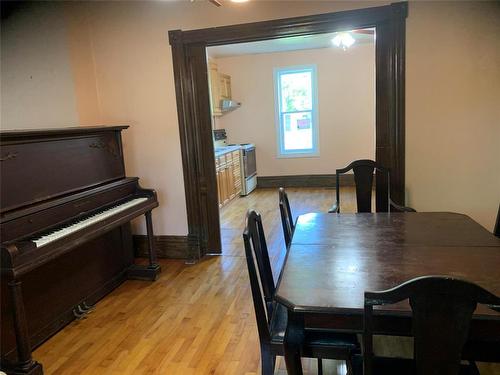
281, 153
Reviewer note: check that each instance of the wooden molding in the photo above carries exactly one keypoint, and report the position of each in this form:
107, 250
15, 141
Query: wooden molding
311, 180
301, 25
172, 247
193, 103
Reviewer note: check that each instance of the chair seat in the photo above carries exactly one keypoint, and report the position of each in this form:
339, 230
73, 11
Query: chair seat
397, 366
314, 338
482, 351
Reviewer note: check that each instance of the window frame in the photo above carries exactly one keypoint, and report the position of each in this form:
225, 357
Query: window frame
280, 141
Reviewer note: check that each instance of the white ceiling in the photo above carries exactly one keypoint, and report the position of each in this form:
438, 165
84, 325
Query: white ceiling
283, 44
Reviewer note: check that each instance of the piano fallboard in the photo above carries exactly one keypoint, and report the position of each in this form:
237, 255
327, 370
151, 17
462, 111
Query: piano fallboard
35, 218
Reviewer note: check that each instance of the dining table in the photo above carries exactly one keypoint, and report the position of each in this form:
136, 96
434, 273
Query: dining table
334, 258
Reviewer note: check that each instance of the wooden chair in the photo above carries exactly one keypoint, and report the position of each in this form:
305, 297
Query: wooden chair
363, 179
286, 216
442, 310
485, 351
272, 316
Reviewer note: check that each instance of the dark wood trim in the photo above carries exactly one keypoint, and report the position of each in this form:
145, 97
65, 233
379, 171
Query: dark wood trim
193, 106
306, 180
188, 137
280, 28
171, 247
400, 13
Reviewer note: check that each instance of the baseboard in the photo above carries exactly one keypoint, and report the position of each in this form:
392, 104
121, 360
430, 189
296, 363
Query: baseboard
172, 247
308, 180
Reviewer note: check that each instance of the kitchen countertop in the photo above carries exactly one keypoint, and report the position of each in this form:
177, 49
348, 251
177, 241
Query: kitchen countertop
219, 151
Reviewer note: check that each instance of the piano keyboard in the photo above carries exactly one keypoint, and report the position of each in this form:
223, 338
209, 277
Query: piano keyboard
85, 222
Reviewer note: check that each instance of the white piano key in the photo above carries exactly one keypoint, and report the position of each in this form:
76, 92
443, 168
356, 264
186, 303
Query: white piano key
57, 234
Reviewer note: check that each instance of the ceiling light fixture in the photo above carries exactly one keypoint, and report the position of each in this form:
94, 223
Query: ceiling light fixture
343, 40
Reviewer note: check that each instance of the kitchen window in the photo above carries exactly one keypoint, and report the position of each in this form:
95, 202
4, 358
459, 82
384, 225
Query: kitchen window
295, 90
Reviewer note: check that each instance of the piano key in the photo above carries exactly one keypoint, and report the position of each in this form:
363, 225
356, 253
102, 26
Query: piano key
85, 222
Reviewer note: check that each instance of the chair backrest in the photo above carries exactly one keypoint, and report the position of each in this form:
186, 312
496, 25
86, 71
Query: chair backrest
496, 231
363, 179
286, 216
260, 273
442, 310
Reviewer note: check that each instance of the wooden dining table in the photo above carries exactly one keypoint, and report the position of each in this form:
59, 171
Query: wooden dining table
334, 258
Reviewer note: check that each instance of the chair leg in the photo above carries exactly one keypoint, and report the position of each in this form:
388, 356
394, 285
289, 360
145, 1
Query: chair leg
349, 367
268, 362
473, 368
320, 366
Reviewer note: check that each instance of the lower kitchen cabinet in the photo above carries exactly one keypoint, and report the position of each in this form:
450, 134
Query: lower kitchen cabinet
228, 169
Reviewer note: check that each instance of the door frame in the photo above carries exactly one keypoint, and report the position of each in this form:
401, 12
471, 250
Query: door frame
194, 111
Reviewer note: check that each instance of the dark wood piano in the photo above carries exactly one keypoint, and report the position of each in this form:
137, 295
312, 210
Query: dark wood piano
66, 207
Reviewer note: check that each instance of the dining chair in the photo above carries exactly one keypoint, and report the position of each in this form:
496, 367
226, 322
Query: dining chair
272, 317
286, 216
480, 350
363, 180
442, 309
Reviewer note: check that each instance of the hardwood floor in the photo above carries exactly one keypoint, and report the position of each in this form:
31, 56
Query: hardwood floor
196, 319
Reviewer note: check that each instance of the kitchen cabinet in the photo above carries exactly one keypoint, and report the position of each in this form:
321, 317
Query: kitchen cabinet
220, 87
228, 170
224, 86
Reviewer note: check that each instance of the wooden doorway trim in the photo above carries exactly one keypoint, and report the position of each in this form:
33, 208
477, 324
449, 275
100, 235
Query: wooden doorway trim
193, 103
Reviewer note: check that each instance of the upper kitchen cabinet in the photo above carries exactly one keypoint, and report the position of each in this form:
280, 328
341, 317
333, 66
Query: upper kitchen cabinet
214, 88
220, 91
224, 86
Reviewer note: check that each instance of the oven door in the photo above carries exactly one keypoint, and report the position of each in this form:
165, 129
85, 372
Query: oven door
249, 162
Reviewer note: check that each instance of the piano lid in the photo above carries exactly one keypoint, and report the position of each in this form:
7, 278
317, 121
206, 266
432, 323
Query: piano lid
37, 165
16, 134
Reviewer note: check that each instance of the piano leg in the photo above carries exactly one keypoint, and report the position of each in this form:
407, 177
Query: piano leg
25, 363
151, 271
151, 243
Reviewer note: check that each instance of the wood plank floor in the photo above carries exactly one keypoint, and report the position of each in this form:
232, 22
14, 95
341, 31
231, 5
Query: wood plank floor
196, 319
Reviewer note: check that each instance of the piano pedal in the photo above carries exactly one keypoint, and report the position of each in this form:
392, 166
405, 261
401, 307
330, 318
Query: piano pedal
88, 308
79, 314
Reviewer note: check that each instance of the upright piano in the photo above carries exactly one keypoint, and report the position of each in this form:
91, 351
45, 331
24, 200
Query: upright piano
66, 242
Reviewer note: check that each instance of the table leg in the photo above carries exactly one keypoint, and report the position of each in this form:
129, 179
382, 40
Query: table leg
294, 340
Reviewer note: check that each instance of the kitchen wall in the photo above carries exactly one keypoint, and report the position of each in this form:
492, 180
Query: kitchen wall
452, 91
37, 81
346, 107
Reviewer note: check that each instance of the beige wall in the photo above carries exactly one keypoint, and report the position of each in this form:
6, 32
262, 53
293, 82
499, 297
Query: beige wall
346, 106
452, 90
37, 83
453, 108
